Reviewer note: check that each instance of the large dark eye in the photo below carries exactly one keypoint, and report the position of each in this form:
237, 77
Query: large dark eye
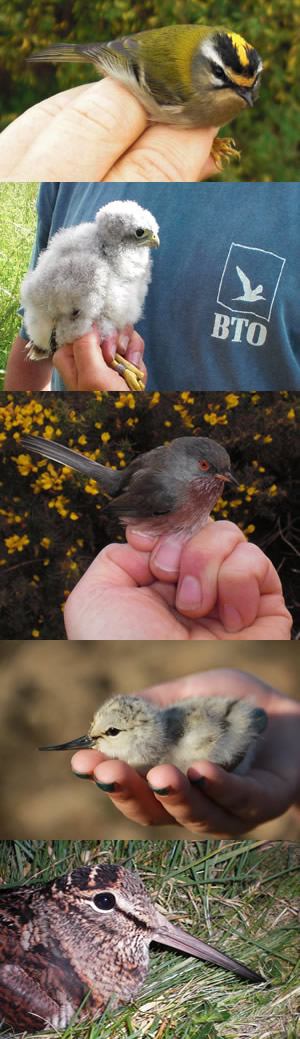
105, 901
75, 313
112, 732
204, 465
139, 232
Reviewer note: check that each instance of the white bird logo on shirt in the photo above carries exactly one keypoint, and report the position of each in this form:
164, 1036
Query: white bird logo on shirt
249, 294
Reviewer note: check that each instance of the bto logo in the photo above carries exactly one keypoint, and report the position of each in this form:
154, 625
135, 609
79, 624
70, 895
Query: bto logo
247, 289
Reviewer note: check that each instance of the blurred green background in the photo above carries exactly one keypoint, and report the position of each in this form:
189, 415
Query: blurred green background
267, 136
52, 521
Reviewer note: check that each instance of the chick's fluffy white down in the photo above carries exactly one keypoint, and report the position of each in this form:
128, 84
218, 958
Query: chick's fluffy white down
94, 272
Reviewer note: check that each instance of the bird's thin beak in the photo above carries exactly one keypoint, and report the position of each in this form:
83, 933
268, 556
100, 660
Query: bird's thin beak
167, 934
227, 477
246, 95
79, 744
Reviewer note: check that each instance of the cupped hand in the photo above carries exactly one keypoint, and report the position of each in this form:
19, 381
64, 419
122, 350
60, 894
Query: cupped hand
99, 132
85, 365
209, 799
215, 586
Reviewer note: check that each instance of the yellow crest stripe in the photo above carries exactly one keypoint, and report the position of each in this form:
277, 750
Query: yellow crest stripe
241, 46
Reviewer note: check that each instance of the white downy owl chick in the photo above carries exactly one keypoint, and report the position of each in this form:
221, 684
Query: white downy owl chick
94, 272
222, 730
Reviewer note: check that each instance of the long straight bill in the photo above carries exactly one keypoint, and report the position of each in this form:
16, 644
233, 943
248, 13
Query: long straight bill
177, 939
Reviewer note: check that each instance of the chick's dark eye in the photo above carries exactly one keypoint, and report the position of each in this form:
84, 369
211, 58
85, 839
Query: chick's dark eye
105, 901
204, 465
75, 313
112, 732
139, 232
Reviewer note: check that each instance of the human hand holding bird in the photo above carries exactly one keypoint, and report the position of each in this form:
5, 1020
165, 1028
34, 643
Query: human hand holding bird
116, 143
187, 75
209, 799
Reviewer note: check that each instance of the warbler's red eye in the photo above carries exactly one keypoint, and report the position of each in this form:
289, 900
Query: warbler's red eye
204, 465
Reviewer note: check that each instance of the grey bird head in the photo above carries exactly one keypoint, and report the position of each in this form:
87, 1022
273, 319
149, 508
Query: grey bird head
126, 224
86, 934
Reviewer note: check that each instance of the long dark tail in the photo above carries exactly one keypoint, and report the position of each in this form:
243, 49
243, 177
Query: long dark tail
110, 479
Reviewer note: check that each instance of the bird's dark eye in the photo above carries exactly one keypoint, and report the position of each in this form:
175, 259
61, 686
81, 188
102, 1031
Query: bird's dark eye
204, 465
139, 232
219, 72
75, 313
112, 732
105, 901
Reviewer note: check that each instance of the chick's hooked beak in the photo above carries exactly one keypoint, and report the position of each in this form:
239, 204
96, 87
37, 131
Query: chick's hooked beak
149, 238
78, 744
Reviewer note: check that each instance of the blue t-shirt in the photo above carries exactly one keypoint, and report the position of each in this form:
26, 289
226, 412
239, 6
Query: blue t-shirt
222, 310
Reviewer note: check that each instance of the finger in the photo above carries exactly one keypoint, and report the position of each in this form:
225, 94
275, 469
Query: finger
195, 564
189, 805
82, 366
242, 577
17, 138
84, 762
254, 798
200, 562
130, 793
129, 344
85, 133
166, 153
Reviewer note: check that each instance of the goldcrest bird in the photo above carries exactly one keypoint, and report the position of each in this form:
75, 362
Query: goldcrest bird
131, 729
190, 75
170, 489
84, 936
93, 272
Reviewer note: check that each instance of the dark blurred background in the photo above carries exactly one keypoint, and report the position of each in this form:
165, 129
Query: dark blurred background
53, 520
49, 692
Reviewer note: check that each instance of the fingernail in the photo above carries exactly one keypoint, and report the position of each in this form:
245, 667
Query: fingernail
165, 790
260, 719
108, 787
232, 618
123, 342
135, 358
167, 554
189, 593
200, 781
81, 775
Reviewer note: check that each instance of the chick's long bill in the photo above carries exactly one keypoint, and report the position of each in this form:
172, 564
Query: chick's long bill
190, 75
85, 934
171, 489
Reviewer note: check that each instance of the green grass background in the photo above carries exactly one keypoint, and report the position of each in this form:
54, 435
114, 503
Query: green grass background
18, 226
267, 136
241, 897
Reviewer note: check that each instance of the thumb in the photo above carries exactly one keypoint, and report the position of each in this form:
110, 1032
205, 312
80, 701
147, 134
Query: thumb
82, 366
